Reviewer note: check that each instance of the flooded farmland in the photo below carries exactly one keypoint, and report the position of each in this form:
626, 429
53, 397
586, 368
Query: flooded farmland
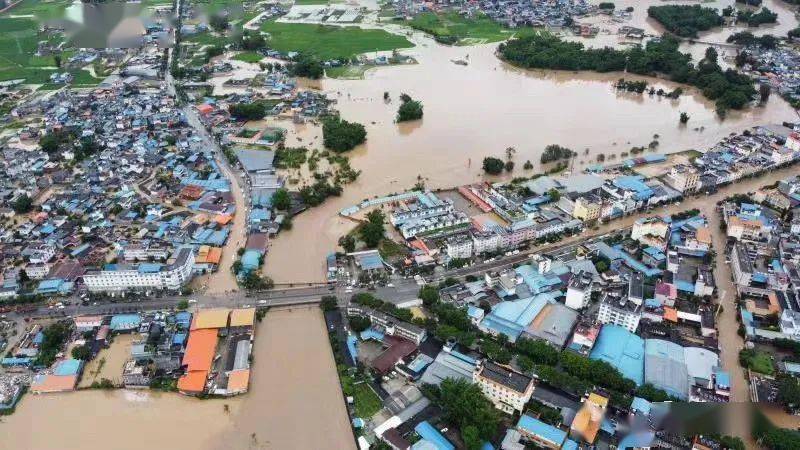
294, 388
476, 111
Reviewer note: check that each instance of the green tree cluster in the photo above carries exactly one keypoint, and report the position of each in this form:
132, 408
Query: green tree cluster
281, 200
410, 109
308, 66
730, 89
50, 142
248, 111
219, 22
316, 193
348, 243
747, 39
493, 166
429, 295
340, 135
373, 230
54, 337
464, 405
359, 324
685, 20
538, 351
755, 19
596, 371
22, 204
555, 152
772, 437
82, 352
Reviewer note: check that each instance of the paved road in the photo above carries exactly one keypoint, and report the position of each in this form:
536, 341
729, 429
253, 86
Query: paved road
223, 280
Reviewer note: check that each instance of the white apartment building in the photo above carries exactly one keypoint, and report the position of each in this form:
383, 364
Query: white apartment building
144, 276
619, 311
579, 291
37, 271
459, 247
486, 242
142, 252
507, 389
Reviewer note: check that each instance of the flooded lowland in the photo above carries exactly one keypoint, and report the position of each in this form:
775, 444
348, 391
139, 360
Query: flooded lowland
294, 388
479, 110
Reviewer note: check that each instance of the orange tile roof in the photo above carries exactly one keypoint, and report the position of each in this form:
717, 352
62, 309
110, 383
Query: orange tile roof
214, 255
194, 381
671, 314
223, 219
205, 108
238, 381
53, 383
200, 349
703, 235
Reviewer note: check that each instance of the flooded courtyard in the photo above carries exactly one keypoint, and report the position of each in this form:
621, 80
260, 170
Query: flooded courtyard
479, 110
294, 388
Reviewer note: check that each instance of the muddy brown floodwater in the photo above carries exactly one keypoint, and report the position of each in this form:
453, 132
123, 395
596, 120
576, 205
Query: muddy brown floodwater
294, 403
476, 111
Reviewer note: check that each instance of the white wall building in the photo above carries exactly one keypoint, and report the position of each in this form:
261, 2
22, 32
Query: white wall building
619, 312
507, 389
579, 291
170, 276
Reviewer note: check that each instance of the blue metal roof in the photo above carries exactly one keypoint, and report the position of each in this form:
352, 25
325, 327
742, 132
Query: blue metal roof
542, 430
623, 350
371, 262
67, 367
371, 333
149, 268
723, 379
251, 259
125, 322
641, 405
432, 436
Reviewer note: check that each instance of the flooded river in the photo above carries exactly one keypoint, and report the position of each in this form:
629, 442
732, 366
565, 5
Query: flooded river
479, 110
294, 403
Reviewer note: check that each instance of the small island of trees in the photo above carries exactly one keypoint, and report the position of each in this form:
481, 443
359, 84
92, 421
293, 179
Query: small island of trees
685, 20
555, 152
542, 50
410, 109
493, 166
340, 135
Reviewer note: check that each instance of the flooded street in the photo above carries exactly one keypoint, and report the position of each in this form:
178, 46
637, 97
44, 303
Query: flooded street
476, 111
294, 388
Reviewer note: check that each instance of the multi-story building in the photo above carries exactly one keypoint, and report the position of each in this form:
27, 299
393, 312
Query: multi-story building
742, 265
145, 276
651, 231
683, 178
486, 242
390, 325
618, 310
587, 208
145, 252
507, 389
460, 247
579, 291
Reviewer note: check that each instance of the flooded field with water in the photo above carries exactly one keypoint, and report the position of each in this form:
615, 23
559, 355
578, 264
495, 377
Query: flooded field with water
479, 110
294, 388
